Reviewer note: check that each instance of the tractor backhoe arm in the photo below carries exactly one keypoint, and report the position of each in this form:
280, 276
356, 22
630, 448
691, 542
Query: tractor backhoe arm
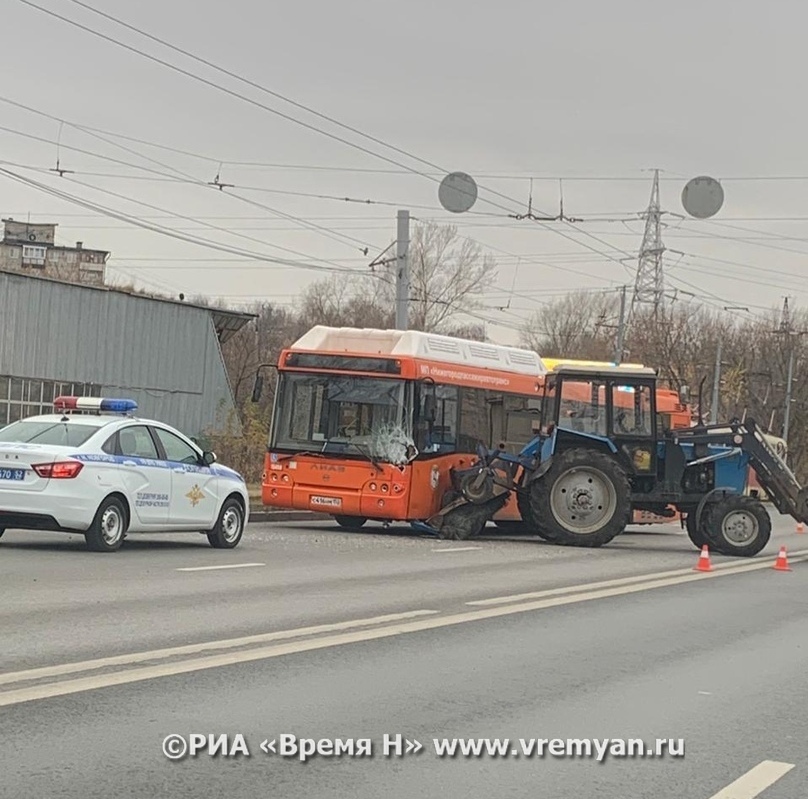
779, 482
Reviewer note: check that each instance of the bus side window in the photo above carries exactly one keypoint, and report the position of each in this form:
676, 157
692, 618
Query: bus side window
475, 422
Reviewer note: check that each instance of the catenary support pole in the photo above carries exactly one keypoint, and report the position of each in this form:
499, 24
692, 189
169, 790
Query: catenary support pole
789, 379
403, 270
621, 329
716, 386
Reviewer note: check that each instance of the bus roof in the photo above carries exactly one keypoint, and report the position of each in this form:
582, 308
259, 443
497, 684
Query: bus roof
424, 346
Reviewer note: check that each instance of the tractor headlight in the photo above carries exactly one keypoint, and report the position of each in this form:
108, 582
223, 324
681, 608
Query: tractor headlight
642, 459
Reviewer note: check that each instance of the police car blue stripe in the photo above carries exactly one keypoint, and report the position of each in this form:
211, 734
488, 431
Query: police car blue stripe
218, 471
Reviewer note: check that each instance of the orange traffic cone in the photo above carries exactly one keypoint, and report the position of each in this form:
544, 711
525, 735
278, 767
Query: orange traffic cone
800, 527
781, 564
704, 564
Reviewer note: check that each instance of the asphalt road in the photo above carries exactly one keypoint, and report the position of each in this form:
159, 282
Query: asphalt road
340, 635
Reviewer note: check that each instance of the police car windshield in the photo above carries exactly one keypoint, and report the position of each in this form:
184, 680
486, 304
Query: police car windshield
50, 433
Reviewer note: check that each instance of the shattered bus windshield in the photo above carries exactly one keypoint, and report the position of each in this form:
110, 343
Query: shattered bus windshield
345, 415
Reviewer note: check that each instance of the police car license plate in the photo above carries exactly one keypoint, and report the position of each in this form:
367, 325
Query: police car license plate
327, 502
12, 474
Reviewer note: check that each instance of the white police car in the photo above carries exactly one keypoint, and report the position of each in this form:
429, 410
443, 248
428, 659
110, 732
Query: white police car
106, 474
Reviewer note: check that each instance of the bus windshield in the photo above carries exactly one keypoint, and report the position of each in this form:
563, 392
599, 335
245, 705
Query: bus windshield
343, 414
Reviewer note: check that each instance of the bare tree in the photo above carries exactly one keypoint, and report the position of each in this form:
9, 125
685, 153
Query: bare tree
346, 301
579, 325
449, 275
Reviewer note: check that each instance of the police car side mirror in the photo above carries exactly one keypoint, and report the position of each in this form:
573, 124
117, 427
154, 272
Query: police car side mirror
209, 458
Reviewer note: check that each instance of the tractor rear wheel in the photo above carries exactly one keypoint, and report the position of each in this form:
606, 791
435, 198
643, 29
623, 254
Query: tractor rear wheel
531, 521
737, 526
583, 500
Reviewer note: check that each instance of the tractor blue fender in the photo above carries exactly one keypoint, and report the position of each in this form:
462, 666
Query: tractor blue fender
548, 449
605, 440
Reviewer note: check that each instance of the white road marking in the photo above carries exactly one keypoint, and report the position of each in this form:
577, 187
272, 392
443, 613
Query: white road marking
457, 549
755, 781
639, 578
137, 674
194, 649
212, 568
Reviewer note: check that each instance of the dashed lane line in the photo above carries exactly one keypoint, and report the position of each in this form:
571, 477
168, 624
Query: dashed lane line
223, 566
755, 781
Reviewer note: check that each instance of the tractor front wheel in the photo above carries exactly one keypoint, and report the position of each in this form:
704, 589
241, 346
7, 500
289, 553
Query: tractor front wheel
697, 535
583, 500
737, 526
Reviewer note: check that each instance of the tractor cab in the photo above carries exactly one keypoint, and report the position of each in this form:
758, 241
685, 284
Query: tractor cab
611, 408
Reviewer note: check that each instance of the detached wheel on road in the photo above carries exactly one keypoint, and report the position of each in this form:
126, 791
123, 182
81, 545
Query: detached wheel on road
229, 526
108, 529
584, 500
353, 523
697, 536
737, 526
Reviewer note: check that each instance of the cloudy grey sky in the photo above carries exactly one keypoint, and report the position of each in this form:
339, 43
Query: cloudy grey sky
594, 93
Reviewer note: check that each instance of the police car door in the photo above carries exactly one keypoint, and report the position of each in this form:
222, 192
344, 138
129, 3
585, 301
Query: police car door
194, 486
147, 481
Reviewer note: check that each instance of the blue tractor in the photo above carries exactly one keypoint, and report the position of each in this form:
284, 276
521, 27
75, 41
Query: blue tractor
604, 452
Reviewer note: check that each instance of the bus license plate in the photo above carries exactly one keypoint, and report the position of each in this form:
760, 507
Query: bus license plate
12, 474
326, 502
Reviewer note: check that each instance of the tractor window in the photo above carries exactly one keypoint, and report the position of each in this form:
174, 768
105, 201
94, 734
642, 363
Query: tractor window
632, 410
582, 406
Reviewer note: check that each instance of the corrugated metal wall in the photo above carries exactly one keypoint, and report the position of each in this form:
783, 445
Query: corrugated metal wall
163, 355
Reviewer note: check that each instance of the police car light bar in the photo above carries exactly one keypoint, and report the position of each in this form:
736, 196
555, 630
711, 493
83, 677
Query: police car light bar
94, 404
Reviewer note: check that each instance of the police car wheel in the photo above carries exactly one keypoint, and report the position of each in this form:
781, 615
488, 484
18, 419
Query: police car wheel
229, 527
108, 529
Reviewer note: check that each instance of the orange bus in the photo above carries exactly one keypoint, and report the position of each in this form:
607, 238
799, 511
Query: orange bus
367, 424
